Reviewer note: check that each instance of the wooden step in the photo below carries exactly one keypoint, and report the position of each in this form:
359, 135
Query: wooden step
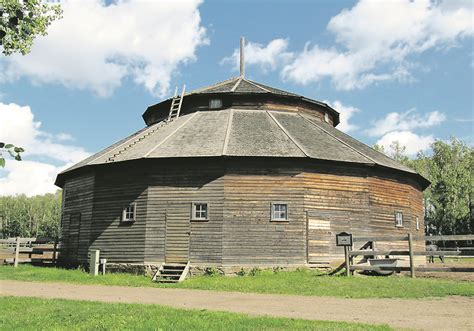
171, 273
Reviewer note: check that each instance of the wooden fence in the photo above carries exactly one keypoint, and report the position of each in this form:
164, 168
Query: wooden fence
368, 250
19, 247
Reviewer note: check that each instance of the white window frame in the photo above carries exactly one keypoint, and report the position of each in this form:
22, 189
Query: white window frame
217, 103
417, 220
129, 216
273, 211
399, 219
194, 211
326, 117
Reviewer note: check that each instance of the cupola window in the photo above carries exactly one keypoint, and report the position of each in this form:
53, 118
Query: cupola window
215, 103
326, 117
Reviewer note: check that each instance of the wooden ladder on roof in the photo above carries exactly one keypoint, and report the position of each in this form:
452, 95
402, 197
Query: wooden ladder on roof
176, 103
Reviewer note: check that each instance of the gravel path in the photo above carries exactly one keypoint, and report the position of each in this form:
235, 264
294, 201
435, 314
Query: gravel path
450, 313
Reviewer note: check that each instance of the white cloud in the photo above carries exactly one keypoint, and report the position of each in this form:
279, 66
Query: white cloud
346, 112
18, 126
95, 46
29, 178
268, 57
408, 120
412, 142
377, 39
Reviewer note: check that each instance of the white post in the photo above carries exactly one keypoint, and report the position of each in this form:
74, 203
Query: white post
94, 262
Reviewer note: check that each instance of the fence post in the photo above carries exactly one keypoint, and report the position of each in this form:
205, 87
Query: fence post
346, 255
17, 252
55, 247
412, 263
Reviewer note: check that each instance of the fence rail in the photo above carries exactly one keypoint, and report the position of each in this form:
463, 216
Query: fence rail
368, 250
19, 246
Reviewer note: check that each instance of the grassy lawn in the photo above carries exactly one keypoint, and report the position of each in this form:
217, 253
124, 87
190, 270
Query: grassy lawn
303, 282
41, 314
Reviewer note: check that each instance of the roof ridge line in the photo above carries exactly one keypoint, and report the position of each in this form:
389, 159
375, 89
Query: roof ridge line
125, 142
214, 85
293, 140
343, 142
236, 84
255, 84
227, 132
172, 133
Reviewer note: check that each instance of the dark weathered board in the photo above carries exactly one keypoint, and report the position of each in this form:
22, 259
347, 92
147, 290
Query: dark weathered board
78, 196
323, 199
177, 233
249, 235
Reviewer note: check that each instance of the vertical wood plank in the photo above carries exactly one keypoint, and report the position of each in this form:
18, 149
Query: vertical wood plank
346, 255
17, 252
410, 247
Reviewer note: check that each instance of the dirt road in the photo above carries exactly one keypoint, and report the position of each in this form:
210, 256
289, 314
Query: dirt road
451, 313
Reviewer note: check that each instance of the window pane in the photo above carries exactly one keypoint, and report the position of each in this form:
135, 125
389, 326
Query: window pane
279, 211
200, 210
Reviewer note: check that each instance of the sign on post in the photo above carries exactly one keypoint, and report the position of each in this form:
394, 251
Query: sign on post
344, 239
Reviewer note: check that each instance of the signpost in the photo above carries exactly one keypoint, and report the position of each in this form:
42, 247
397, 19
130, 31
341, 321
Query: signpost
345, 239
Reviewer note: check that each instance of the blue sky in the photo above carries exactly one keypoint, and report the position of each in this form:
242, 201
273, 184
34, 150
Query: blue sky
396, 71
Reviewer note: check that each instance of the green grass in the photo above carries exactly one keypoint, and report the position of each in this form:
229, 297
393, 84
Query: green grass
303, 282
42, 314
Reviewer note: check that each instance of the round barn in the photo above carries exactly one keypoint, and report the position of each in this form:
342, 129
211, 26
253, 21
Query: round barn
237, 174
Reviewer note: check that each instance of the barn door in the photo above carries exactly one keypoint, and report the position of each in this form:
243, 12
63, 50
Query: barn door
322, 226
177, 233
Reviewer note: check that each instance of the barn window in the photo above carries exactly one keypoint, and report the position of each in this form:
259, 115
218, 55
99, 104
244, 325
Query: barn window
279, 211
215, 103
200, 211
417, 223
129, 213
398, 219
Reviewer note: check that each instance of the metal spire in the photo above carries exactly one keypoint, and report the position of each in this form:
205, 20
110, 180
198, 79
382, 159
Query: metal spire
242, 57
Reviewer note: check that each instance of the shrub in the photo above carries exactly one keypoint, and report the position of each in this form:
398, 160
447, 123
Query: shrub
277, 269
211, 272
255, 271
241, 272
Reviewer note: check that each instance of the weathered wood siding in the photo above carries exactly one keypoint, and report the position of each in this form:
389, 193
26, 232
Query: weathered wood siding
249, 235
184, 185
76, 217
323, 199
177, 233
359, 203
115, 189
341, 202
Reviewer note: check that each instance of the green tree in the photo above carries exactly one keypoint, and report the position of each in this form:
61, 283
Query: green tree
37, 216
449, 199
15, 152
22, 20
450, 195
396, 151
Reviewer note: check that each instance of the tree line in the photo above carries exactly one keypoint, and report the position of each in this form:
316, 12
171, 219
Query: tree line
448, 201
38, 216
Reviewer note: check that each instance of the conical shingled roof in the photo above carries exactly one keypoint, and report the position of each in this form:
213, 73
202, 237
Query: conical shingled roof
243, 133
242, 85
